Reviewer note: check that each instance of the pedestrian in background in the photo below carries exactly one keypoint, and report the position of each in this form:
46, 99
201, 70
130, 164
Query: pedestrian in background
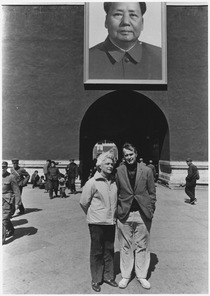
72, 173
99, 201
151, 165
10, 198
53, 175
93, 168
192, 177
42, 183
141, 161
80, 172
122, 161
22, 177
135, 209
35, 179
45, 170
62, 186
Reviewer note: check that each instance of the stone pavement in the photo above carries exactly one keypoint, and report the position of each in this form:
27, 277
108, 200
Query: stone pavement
49, 253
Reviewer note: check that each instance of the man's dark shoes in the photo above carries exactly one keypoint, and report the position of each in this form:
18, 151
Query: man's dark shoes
111, 283
193, 202
10, 233
22, 212
96, 287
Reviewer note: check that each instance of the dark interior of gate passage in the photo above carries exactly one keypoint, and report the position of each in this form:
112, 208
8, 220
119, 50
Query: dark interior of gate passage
125, 116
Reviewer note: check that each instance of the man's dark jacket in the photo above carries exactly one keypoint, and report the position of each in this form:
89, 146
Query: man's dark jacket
192, 176
144, 191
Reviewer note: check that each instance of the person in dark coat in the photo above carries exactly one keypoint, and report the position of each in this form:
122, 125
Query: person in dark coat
34, 179
72, 174
42, 183
53, 175
192, 177
135, 210
45, 170
22, 177
141, 161
152, 167
122, 55
10, 198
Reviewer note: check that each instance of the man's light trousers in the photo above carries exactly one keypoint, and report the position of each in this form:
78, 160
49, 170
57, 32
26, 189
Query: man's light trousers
134, 237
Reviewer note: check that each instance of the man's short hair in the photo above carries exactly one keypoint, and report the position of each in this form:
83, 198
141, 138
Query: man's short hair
130, 146
143, 7
15, 160
189, 159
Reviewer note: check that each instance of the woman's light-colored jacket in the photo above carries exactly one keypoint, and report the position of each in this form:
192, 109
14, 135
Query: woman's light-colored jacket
99, 200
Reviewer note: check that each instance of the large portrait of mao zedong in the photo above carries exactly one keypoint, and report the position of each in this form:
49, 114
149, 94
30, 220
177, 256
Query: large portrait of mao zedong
125, 43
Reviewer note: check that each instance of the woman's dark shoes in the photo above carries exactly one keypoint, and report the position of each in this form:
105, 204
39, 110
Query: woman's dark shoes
111, 283
96, 287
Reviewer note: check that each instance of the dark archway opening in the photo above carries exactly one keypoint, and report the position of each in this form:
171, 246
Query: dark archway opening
124, 116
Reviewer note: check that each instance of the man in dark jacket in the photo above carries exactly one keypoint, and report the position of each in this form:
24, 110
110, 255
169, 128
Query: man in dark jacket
34, 179
72, 173
22, 177
53, 175
45, 170
192, 177
151, 165
10, 199
135, 209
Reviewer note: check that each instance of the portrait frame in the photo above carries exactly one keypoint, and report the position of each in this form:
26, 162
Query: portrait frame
90, 13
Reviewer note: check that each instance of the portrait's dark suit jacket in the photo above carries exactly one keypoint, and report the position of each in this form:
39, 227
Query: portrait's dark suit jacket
144, 191
143, 61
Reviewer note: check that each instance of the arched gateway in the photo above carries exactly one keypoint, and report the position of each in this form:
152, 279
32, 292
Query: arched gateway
124, 116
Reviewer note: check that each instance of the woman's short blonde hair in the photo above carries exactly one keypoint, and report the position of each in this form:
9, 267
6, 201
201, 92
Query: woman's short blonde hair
104, 155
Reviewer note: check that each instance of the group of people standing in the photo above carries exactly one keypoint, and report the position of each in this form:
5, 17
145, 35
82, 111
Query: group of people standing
14, 181
55, 179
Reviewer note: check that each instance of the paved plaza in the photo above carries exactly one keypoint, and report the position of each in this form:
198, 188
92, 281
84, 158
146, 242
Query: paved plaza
49, 253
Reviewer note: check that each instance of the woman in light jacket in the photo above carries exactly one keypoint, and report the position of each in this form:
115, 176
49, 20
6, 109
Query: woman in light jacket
99, 202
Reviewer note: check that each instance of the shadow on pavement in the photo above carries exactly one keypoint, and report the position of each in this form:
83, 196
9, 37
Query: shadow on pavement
153, 262
59, 197
29, 210
19, 222
20, 232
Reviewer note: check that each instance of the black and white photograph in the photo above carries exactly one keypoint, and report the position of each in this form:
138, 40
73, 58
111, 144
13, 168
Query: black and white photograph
105, 169
125, 42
